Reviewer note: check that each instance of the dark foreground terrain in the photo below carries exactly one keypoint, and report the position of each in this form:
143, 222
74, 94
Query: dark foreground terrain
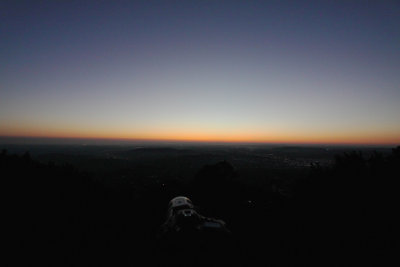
104, 205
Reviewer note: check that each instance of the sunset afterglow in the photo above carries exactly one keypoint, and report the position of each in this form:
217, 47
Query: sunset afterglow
208, 71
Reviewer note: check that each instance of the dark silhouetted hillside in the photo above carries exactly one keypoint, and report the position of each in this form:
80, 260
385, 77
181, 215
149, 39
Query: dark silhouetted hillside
337, 215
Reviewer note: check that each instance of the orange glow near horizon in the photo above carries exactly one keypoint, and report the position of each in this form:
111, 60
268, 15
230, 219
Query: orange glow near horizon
215, 136
236, 73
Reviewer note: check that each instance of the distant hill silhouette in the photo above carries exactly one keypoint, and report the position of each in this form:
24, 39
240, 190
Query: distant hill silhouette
344, 214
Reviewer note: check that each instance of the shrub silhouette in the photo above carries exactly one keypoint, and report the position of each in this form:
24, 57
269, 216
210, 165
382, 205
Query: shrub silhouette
340, 214
350, 206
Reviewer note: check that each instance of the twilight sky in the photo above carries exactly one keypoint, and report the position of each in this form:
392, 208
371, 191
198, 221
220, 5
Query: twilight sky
249, 71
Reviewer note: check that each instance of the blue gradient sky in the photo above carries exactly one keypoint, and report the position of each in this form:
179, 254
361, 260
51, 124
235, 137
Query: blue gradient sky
253, 71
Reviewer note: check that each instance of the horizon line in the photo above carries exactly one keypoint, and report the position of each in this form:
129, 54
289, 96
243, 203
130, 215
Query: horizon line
75, 140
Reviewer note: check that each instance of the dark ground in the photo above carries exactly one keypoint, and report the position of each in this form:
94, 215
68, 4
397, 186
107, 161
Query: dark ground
103, 205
